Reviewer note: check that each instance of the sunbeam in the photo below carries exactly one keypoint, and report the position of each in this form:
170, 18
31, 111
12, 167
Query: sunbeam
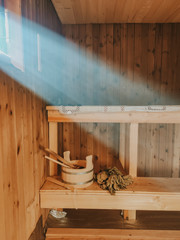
56, 68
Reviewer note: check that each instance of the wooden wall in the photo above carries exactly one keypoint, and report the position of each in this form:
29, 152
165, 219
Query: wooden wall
158, 150
145, 59
23, 126
41, 12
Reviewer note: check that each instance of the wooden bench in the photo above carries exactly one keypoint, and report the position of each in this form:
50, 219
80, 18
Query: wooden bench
144, 194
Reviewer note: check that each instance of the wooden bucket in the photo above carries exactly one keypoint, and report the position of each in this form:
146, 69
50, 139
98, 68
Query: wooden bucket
78, 178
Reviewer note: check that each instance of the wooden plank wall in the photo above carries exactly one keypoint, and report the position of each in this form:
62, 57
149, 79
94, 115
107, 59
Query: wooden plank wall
146, 57
23, 126
143, 57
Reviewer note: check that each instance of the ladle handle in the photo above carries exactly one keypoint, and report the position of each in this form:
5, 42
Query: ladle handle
61, 159
51, 159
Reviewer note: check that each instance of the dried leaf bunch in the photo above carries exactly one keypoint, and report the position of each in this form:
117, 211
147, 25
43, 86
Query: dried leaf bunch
113, 180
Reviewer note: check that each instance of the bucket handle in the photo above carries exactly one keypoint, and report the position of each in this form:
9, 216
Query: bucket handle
67, 156
89, 164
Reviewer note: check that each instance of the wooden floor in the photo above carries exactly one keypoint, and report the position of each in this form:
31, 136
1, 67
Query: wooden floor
38, 232
110, 234
106, 219
109, 225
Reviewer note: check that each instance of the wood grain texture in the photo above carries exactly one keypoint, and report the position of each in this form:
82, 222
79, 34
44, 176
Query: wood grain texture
133, 64
120, 234
157, 150
22, 163
53, 145
117, 11
116, 117
133, 148
23, 124
147, 194
110, 219
139, 54
133, 158
19, 106
38, 232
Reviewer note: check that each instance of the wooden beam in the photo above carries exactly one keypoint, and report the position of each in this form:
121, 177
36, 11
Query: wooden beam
108, 234
116, 117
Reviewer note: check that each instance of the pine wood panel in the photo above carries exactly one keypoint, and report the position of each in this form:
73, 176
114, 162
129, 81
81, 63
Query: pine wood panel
134, 64
117, 11
110, 117
134, 129
158, 150
23, 126
147, 194
53, 145
145, 60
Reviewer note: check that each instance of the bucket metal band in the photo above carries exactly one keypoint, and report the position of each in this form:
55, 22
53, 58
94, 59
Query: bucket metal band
81, 183
80, 173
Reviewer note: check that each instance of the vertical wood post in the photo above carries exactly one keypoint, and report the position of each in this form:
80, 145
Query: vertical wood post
122, 141
176, 152
133, 148
53, 145
133, 159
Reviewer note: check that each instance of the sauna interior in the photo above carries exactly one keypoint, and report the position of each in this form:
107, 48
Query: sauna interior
93, 77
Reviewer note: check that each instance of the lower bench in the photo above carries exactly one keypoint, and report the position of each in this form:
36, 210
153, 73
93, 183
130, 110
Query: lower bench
143, 194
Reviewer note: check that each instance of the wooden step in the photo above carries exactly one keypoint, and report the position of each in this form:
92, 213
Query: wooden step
143, 194
110, 234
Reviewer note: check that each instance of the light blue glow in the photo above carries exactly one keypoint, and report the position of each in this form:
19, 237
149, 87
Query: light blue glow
62, 73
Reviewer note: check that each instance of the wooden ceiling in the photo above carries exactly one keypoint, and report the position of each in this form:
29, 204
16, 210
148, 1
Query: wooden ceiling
117, 11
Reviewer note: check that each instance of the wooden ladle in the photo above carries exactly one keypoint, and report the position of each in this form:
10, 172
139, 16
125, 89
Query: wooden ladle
62, 160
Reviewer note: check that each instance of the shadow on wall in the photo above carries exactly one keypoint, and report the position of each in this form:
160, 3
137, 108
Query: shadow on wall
109, 144
38, 232
98, 139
